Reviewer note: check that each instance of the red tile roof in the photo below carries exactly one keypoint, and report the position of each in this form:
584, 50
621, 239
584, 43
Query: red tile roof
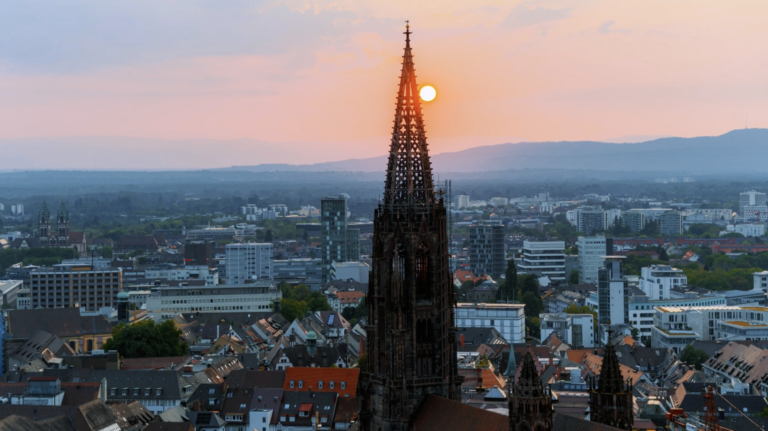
349, 297
311, 377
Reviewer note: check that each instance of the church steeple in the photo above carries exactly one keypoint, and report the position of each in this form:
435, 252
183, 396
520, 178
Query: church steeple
44, 223
62, 222
411, 336
530, 406
610, 396
409, 171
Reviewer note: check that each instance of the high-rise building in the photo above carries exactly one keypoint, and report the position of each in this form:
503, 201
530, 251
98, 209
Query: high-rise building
657, 281
634, 220
591, 257
462, 201
75, 286
411, 344
333, 230
612, 293
543, 258
248, 262
353, 245
751, 199
17, 209
671, 223
499, 202
591, 220
486, 250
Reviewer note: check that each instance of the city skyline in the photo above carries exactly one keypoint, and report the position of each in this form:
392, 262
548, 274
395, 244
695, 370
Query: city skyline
504, 72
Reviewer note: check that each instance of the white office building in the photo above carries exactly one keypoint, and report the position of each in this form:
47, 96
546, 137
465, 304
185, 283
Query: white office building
750, 202
508, 319
761, 281
248, 262
676, 327
166, 302
657, 280
543, 258
576, 330
17, 209
462, 201
499, 202
753, 229
642, 310
591, 257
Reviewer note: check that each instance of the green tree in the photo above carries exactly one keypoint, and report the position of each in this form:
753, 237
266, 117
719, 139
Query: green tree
147, 340
574, 277
318, 302
508, 289
533, 304
292, 309
268, 236
693, 356
106, 252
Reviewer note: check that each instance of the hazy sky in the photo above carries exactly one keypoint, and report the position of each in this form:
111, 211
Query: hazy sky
321, 76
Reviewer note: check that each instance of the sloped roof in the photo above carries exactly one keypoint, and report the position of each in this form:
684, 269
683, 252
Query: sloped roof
346, 409
21, 423
76, 394
152, 363
440, 414
257, 379
593, 364
62, 322
312, 376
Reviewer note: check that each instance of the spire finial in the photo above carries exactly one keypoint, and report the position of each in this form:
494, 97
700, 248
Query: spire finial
528, 336
407, 31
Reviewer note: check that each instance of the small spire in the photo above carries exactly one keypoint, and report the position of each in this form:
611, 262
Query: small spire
407, 32
528, 336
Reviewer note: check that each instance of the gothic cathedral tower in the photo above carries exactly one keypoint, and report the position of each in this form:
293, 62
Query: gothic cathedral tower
44, 224
530, 406
411, 337
62, 225
610, 396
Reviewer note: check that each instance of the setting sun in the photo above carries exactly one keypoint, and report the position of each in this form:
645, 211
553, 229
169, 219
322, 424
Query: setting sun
428, 93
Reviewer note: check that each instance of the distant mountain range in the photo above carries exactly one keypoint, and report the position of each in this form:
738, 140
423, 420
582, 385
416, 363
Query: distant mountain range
738, 151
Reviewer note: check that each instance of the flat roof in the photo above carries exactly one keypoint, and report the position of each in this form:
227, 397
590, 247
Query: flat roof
485, 305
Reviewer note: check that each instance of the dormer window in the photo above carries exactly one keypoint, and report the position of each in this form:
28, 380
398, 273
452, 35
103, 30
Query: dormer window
320, 384
343, 385
113, 392
291, 384
158, 391
124, 391
135, 391
333, 384
147, 391
301, 384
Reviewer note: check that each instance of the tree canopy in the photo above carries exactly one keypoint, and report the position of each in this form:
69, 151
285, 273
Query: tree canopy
299, 300
507, 291
693, 356
35, 256
147, 340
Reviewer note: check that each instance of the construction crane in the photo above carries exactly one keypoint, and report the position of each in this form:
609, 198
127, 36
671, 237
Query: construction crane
710, 418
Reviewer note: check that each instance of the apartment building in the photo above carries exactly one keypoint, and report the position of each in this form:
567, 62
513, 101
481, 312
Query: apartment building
576, 330
486, 250
656, 281
591, 258
543, 258
74, 286
248, 262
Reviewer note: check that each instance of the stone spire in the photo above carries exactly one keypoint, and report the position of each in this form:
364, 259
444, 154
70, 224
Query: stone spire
530, 406
610, 396
409, 171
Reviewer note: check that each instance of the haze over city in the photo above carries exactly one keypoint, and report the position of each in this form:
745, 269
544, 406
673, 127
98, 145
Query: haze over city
308, 82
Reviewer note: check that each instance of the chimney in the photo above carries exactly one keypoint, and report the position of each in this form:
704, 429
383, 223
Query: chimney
461, 340
103, 390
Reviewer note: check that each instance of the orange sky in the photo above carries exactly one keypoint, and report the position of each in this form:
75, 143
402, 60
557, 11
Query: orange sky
322, 75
